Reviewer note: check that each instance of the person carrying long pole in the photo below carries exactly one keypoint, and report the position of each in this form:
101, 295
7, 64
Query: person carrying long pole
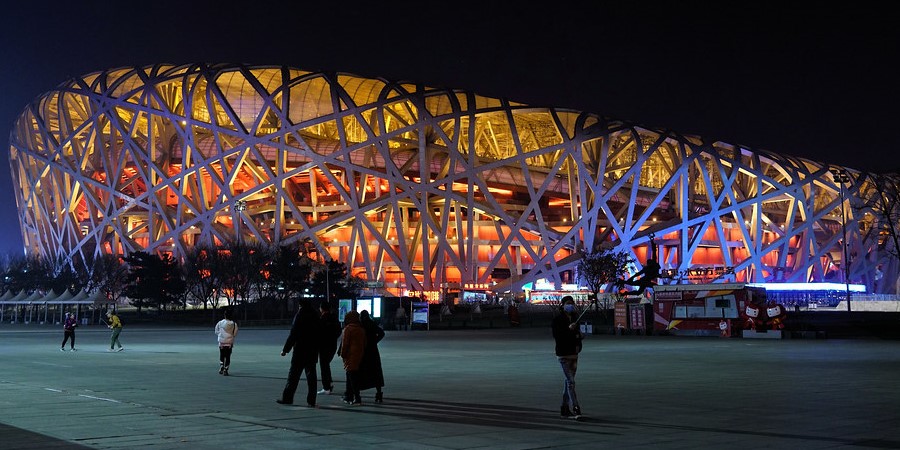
567, 336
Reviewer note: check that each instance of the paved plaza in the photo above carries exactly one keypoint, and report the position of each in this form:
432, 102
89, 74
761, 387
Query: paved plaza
448, 389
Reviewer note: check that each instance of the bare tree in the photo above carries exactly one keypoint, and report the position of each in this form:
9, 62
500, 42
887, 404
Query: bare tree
602, 267
27, 274
289, 276
241, 267
109, 275
36, 273
203, 280
63, 275
154, 281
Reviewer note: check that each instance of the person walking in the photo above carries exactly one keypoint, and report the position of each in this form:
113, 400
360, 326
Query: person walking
331, 331
226, 330
513, 313
567, 336
69, 331
304, 342
401, 320
116, 326
370, 373
353, 345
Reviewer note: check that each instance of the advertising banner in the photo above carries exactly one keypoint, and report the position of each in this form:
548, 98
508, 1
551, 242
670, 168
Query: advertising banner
345, 305
420, 312
621, 316
636, 316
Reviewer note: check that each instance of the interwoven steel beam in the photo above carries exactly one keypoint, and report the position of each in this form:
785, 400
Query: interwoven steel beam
415, 186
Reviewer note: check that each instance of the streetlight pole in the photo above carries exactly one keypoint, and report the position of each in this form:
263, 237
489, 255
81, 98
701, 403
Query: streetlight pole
239, 206
841, 176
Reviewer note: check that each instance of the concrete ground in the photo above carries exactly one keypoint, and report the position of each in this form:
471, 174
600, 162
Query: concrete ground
448, 389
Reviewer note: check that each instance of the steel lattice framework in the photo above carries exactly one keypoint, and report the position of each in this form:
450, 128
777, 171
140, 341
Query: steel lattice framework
415, 186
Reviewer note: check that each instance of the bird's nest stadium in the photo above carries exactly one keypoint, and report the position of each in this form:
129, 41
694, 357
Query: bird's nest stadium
420, 188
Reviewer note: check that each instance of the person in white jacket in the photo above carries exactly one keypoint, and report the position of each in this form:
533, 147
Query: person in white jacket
226, 330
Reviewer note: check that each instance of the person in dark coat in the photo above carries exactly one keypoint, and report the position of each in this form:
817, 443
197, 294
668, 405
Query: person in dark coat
69, 331
353, 344
328, 342
304, 341
567, 337
370, 373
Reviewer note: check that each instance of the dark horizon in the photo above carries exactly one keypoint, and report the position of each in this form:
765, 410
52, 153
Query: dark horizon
805, 83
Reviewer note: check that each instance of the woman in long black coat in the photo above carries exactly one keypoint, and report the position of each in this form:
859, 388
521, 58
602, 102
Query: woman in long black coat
371, 375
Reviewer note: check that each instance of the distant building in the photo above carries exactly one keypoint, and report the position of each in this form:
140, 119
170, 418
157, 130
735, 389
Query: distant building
416, 187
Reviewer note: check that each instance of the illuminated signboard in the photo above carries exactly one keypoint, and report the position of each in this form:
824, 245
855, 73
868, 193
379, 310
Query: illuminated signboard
474, 297
697, 273
667, 295
555, 297
429, 296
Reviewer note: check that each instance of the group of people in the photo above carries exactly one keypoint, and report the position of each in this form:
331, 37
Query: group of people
314, 340
71, 322
362, 361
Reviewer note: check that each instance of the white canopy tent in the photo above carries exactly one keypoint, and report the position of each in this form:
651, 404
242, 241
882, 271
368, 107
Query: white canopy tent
50, 308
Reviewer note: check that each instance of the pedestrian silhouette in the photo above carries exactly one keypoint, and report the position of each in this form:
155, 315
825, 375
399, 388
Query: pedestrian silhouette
567, 338
303, 340
69, 331
331, 331
370, 373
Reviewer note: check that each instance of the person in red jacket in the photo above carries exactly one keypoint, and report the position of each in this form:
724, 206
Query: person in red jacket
353, 345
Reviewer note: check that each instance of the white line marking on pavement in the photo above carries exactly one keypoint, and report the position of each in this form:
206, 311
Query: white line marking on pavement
99, 398
50, 364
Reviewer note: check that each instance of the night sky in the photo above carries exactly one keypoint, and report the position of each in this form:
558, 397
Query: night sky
819, 83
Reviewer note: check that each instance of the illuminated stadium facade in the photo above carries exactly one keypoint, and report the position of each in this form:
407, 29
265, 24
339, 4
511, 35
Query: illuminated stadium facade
416, 187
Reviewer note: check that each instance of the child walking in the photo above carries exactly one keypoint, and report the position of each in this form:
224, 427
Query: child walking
226, 330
